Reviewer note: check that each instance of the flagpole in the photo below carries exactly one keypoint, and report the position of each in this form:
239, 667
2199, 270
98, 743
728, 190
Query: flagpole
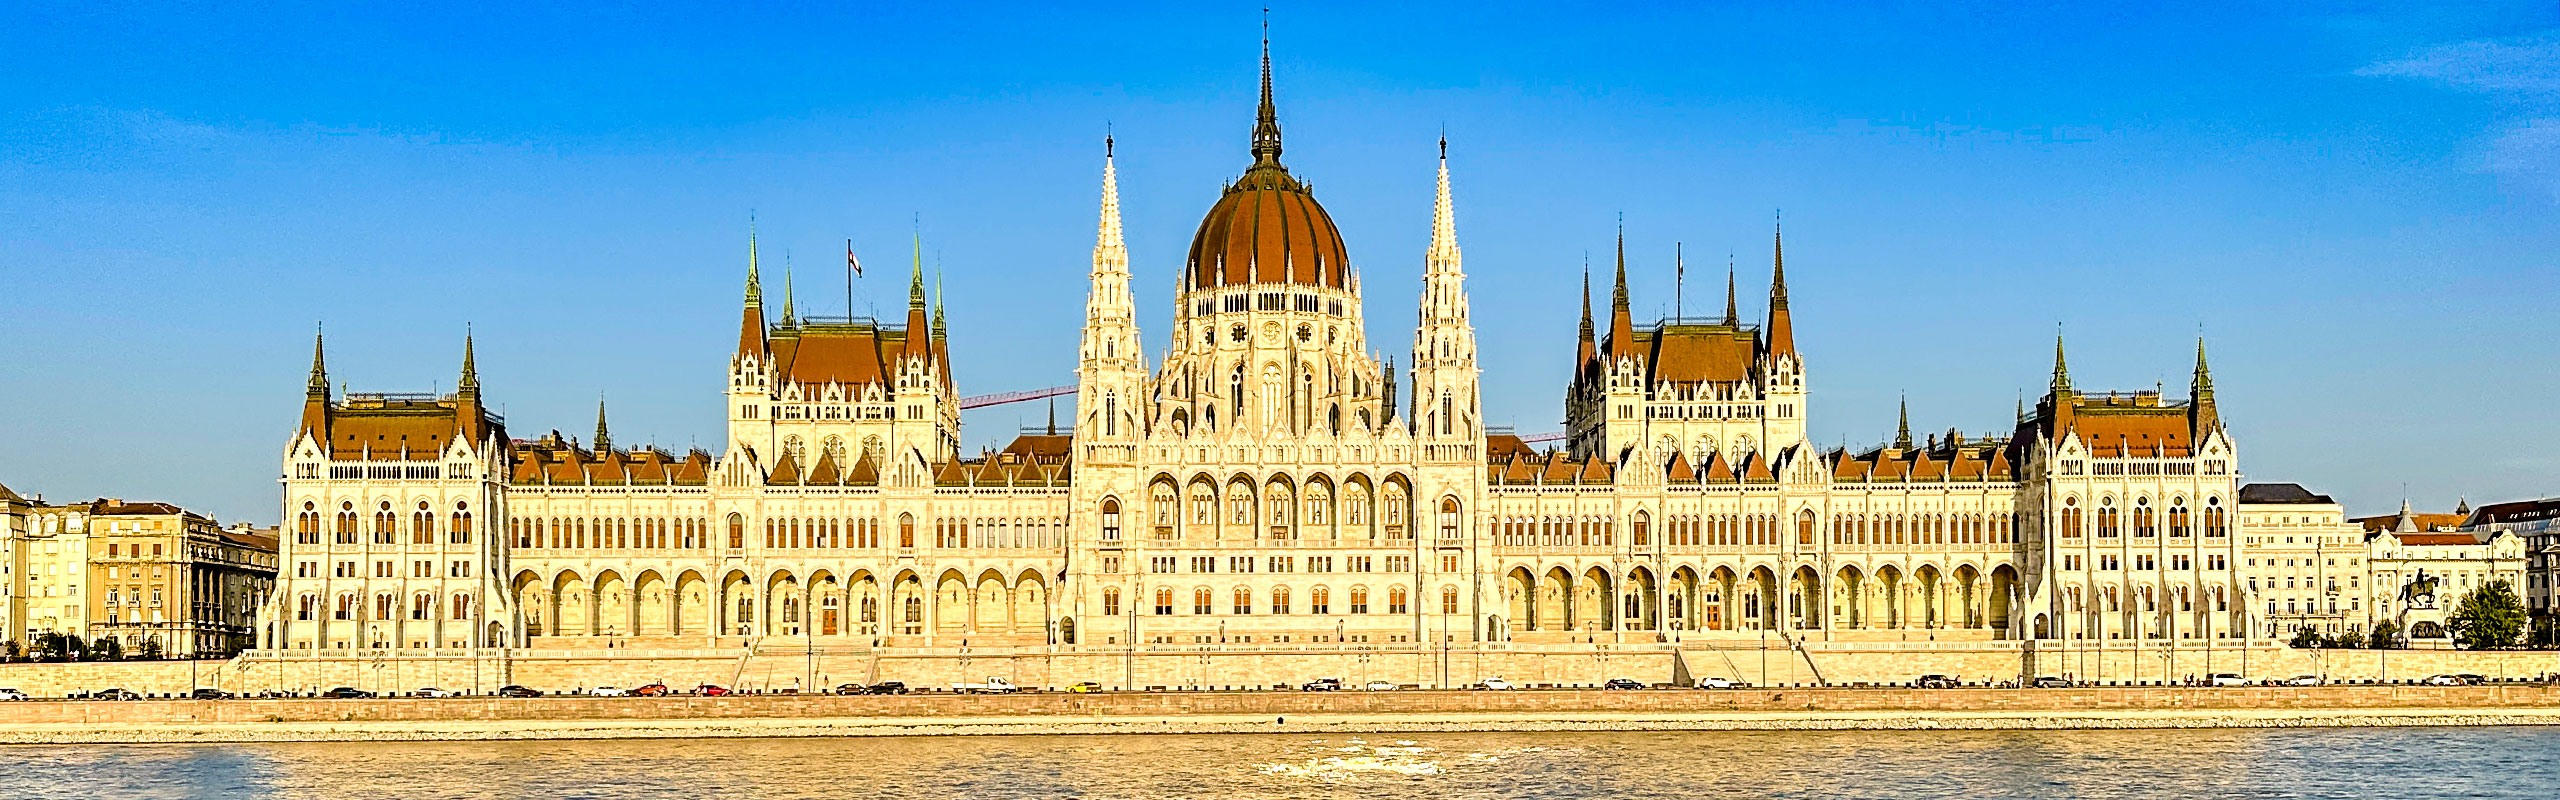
848, 280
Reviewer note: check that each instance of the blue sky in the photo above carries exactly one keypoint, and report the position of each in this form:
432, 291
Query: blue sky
2358, 206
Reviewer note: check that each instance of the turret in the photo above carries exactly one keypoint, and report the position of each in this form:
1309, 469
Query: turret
2202, 418
1444, 342
315, 398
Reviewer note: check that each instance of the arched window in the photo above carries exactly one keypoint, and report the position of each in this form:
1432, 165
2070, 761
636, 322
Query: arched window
346, 522
2071, 518
306, 527
1204, 509
1111, 602
907, 531
461, 607
461, 523
385, 526
1640, 528
2178, 518
422, 606
1396, 600
1164, 601
2107, 519
1244, 600
1110, 519
2213, 521
1804, 527
2142, 521
307, 607
737, 532
1200, 602
1448, 519
1359, 599
1448, 600
1280, 600
1162, 508
1320, 601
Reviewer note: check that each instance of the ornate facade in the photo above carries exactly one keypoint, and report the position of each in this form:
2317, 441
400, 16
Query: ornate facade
1273, 480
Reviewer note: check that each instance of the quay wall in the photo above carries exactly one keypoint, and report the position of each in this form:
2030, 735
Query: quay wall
1211, 669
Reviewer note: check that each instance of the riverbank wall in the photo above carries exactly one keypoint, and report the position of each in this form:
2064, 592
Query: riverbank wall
1152, 712
1215, 668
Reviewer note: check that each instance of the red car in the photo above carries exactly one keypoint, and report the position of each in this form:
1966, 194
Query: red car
653, 690
711, 690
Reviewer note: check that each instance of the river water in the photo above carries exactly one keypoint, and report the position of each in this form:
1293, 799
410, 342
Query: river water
2433, 763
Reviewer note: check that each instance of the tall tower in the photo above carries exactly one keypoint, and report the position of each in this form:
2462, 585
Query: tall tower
751, 381
1110, 370
1781, 367
1446, 405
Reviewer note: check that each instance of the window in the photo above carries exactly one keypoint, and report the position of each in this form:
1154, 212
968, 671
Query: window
1359, 599
1164, 602
423, 606
1396, 600
1244, 600
1110, 519
1200, 601
1448, 600
737, 532
1448, 518
1111, 602
1320, 601
422, 525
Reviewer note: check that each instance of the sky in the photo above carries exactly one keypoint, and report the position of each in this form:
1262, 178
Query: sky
2357, 206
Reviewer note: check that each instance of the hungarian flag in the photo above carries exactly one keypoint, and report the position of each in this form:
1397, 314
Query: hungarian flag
850, 262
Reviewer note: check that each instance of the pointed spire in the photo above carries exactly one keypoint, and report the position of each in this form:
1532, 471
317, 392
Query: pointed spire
2061, 368
915, 283
1266, 121
938, 329
1588, 353
790, 318
755, 283
1107, 241
2408, 521
2203, 385
1782, 329
1443, 256
604, 438
470, 382
319, 383
1902, 431
1622, 325
1732, 313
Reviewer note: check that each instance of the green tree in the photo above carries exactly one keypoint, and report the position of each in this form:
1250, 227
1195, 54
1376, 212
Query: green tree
2352, 640
2489, 617
150, 650
2307, 639
2386, 635
112, 650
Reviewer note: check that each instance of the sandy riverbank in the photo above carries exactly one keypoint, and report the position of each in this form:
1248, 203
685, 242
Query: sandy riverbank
463, 730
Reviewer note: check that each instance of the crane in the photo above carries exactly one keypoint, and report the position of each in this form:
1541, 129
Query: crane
1001, 398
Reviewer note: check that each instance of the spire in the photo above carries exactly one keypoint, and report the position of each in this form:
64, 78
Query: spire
790, 318
755, 284
1587, 354
1732, 315
319, 383
604, 439
1782, 329
2408, 522
1266, 120
938, 329
1622, 326
1107, 241
2202, 416
470, 382
1444, 220
915, 283
1902, 431
2061, 369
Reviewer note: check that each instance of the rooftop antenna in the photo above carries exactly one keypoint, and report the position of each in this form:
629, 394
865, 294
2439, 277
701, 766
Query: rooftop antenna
1679, 275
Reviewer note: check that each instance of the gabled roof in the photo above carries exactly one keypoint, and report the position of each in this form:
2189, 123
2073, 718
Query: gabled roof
952, 473
1502, 446
1717, 470
786, 471
1679, 471
1595, 470
864, 473
1523, 469
825, 472
1756, 469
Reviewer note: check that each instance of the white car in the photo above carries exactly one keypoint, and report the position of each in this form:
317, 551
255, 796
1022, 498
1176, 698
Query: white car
1716, 683
1380, 686
12, 694
1496, 683
611, 691
2443, 680
2226, 679
431, 691
2303, 680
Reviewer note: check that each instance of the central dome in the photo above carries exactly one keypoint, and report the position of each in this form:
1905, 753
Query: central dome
1268, 228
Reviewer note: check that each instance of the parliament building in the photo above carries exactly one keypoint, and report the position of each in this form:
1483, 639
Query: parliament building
1270, 478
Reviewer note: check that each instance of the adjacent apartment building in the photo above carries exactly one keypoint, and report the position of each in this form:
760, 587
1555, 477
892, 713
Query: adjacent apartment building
153, 577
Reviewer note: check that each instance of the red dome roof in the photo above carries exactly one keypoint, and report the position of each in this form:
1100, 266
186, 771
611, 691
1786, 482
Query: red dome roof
1268, 228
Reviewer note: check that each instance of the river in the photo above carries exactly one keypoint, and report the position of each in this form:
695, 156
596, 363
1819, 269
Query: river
2432, 763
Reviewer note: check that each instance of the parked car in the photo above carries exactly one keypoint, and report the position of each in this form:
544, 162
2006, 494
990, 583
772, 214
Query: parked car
2225, 679
1622, 683
1084, 687
1716, 683
512, 690
1322, 685
611, 691
113, 694
653, 690
1496, 684
430, 691
1934, 681
2303, 680
886, 687
2472, 679
850, 688
1380, 686
347, 693
2050, 682
712, 690
204, 693
12, 694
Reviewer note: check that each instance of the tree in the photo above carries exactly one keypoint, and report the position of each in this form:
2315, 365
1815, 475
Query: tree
2386, 635
13, 651
2489, 617
2352, 640
150, 650
2307, 639
112, 651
